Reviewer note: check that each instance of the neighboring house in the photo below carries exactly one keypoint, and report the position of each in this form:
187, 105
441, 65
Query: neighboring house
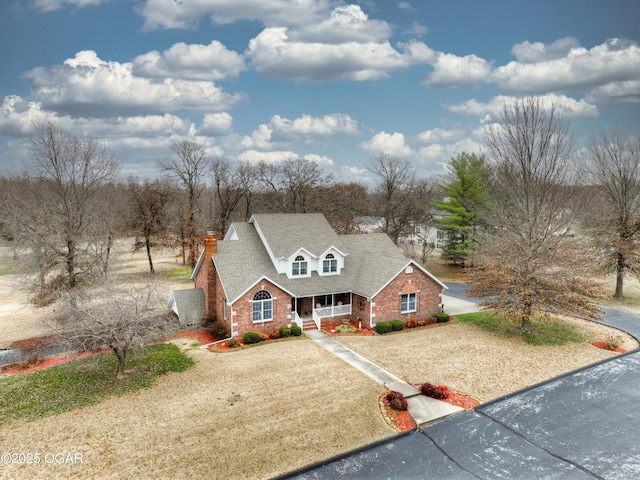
279, 269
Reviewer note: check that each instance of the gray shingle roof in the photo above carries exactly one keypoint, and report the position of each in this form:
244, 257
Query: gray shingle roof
286, 233
188, 304
373, 260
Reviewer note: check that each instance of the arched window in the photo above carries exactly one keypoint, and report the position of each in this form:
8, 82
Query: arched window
299, 266
329, 264
262, 307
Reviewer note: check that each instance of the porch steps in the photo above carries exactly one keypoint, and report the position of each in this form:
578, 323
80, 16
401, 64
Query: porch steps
308, 324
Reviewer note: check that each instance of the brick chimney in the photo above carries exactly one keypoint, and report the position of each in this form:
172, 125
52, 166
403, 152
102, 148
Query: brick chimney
207, 275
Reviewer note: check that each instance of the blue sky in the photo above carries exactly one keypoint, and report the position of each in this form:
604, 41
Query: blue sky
325, 80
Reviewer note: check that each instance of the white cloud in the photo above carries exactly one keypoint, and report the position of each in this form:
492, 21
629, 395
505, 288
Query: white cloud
173, 14
273, 53
392, 144
613, 61
416, 29
195, 62
492, 110
53, 5
438, 135
441, 153
321, 160
335, 124
88, 86
451, 71
17, 115
255, 156
527, 52
216, 124
615, 93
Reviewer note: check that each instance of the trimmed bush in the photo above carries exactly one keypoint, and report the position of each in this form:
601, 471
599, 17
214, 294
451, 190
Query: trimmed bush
396, 400
251, 337
296, 331
232, 342
441, 317
285, 331
383, 327
439, 392
397, 325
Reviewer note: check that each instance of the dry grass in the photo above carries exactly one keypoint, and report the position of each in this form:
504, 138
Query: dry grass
483, 365
254, 413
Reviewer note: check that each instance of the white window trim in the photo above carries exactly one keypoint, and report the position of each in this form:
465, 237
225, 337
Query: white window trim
415, 302
263, 320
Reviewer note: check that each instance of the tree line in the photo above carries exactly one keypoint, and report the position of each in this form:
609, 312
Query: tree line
533, 216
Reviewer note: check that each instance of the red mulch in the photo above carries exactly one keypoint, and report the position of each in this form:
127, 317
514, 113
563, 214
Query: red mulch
202, 336
605, 346
27, 367
399, 420
461, 400
330, 329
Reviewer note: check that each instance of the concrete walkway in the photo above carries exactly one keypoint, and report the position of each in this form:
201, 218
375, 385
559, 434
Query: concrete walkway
423, 409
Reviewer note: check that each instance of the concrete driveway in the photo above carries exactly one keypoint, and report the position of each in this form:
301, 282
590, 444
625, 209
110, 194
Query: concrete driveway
585, 424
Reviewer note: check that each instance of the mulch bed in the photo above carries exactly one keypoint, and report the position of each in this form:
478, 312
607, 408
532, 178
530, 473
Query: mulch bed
202, 336
606, 346
330, 329
32, 366
399, 420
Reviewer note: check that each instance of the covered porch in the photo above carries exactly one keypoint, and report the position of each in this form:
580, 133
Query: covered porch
308, 312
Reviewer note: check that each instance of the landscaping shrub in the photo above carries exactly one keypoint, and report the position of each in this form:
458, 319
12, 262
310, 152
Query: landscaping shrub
422, 323
441, 317
383, 327
264, 336
396, 400
285, 331
232, 342
439, 392
251, 337
296, 331
397, 325
216, 328
412, 323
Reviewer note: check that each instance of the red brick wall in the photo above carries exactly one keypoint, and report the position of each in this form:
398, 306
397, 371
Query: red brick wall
206, 278
243, 309
387, 302
360, 309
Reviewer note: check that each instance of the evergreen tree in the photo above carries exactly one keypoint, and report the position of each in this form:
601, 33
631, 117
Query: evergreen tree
465, 187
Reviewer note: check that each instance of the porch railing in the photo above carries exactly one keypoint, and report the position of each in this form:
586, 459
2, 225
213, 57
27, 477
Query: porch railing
316, 319
295, 318
333, 311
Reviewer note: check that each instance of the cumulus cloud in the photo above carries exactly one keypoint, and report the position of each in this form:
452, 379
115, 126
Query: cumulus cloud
194, 62
406, 6
416, 29
18, 114
438, 135
577, 69
216, 124
88, 86
392, 144
306, 126
451, 71
615, 93
172, 14
491, 111
527, 52
321, 160
274, 53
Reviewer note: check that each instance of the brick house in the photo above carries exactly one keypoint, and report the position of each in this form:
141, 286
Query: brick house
279, 269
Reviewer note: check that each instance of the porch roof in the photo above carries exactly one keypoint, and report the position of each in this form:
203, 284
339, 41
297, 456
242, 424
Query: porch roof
373, 261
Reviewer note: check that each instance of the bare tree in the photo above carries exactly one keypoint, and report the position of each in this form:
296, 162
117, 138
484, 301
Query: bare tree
231, 185
291, 187
57, 213
528, 261
188, 167
119, 318
615, 169
148, 217
394, 196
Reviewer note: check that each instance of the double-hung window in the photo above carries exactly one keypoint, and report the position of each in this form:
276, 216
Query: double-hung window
262, 307
329, 264
299, 266
408, 303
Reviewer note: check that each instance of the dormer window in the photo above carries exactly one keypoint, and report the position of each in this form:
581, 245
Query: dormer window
299, 266
329, 264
